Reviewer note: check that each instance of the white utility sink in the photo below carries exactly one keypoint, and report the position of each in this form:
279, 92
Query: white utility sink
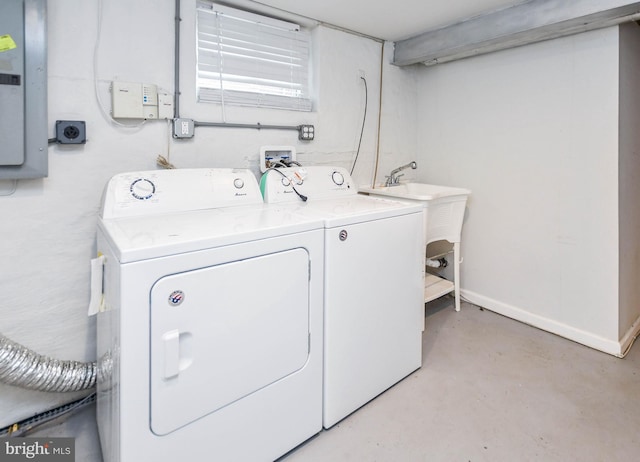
444, 209
416, 191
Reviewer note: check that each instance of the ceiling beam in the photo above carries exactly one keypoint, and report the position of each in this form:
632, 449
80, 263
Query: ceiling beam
527, 22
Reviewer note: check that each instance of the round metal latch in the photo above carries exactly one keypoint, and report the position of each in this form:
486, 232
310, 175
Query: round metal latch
343, 235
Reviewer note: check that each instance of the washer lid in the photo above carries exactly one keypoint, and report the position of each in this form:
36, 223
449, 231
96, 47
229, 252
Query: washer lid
143, 237
355, 209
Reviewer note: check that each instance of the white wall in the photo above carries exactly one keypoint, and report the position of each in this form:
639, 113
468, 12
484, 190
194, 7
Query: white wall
399, 123
48, 229
533, 132
629, 175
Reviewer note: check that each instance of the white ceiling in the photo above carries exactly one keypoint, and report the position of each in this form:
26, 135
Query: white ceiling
389, 20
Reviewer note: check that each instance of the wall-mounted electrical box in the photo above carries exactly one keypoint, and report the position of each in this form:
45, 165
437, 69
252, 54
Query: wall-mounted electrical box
132, 100
23, 89
276, 156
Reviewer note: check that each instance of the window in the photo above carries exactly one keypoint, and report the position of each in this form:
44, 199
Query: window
249, 60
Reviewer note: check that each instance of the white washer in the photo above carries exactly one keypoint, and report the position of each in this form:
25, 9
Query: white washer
211, 331
373, 307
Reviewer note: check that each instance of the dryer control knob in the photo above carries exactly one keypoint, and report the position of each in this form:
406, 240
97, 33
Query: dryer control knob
142, 189
338, 178
286, 182
238, 183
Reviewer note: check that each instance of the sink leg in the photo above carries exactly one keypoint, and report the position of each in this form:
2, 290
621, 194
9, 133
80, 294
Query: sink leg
456, 274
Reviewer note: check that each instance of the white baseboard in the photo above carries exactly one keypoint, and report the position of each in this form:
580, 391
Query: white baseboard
629, 337
612, 347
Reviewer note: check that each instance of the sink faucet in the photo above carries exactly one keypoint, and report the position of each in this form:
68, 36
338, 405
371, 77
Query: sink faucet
394, 179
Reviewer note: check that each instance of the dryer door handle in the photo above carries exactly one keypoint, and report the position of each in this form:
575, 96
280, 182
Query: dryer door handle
171, 342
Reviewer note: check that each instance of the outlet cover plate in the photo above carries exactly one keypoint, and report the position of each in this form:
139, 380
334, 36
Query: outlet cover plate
71, 132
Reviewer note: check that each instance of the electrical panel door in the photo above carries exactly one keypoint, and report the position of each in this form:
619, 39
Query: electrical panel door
12, 83
23, 89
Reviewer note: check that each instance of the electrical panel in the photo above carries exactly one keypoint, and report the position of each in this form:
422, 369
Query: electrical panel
23, 89
12, 87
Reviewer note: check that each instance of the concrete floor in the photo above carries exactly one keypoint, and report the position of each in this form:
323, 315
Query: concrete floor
490, 389
493, 389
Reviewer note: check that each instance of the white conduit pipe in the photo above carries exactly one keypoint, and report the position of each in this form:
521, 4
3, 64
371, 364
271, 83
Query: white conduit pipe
24, 368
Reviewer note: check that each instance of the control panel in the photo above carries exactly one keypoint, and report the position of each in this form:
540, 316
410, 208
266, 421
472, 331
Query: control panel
316, 182
165, 191
133, 100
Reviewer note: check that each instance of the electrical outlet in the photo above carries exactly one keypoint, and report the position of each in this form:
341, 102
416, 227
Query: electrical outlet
183, 128
71, 132
306, 132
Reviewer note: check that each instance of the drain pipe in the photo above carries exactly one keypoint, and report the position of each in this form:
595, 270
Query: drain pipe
22, 367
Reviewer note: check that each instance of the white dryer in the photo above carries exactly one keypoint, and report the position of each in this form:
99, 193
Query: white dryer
211, 331
373, 305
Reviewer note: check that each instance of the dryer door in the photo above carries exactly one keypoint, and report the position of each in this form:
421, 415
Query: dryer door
221, 333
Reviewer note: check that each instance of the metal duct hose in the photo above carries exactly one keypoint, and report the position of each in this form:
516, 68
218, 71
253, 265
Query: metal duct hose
25, 368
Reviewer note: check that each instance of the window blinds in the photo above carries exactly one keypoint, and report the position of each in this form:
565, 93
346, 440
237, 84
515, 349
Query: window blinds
250, 60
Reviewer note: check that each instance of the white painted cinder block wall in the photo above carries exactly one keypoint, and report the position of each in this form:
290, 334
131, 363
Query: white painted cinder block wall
534, 133
48, 225
628, 176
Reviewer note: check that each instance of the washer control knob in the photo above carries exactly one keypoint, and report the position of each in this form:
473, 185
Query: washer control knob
238, 183
338, 178
286, 182
142, 189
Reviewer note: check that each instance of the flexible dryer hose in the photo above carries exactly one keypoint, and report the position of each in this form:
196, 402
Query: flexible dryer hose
25, 368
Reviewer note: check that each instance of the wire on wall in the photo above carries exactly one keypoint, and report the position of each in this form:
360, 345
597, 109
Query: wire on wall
375, 169
364, 118
163, 161
96, 49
